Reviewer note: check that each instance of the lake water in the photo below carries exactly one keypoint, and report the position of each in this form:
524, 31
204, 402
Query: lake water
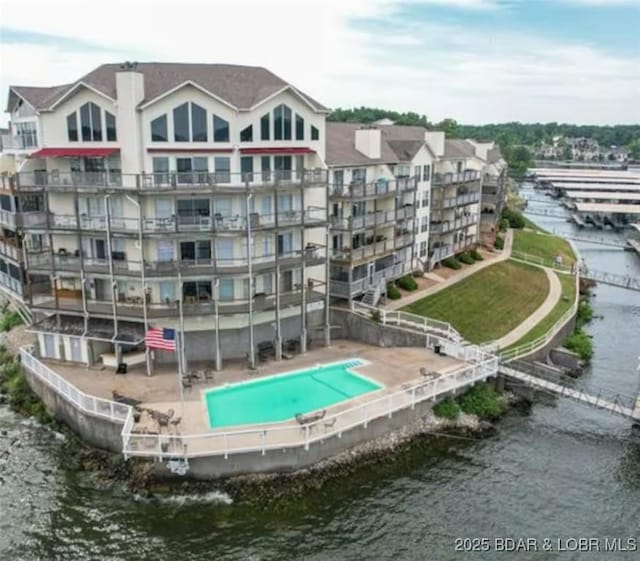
560, 470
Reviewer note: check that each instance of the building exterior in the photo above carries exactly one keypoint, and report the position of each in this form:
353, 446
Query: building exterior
372, 208
494, 193
455, 200
186, 196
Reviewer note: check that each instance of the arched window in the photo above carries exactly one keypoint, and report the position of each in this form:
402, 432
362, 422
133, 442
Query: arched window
91, 122
282, 123
181, 123
159, 129
198, 123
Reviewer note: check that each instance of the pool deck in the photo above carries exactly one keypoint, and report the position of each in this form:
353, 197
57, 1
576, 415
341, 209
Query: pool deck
392, 367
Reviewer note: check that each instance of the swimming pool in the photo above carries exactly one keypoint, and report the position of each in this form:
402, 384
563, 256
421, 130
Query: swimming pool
281, 397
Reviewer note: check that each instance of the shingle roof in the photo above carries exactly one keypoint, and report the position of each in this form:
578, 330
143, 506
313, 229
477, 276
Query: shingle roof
341, 147
406, 149
458, 148
240, 86
494, 155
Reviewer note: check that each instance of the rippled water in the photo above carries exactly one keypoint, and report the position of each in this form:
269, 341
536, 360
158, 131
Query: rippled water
558, 470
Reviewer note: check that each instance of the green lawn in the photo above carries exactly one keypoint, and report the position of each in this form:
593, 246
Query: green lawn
544, 246
568, 283
532, 225
490, 303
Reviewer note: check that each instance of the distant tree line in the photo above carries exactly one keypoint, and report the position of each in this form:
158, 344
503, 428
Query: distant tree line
505, 134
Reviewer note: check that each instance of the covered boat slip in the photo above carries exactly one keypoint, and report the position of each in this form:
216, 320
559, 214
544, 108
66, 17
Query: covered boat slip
600, 215
610, 196
597, 187
589, 175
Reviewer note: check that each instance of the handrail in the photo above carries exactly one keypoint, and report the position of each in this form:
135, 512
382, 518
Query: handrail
542, 262
111, 410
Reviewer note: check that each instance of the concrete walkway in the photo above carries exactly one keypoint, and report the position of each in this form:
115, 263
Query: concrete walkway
553, 297
463, 274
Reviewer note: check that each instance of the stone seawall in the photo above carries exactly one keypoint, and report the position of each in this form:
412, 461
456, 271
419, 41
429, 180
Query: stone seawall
92, 429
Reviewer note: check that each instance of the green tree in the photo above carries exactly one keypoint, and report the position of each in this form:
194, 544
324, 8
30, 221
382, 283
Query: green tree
634, 149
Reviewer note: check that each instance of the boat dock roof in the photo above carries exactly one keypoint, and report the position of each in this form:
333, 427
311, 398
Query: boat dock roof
613, 186
608, 208
604, 195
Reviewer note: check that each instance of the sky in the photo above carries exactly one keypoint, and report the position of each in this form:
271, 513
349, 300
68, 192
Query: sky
476, 61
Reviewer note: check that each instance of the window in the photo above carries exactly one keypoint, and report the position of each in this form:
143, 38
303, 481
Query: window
198, 123
90, 122
459, 167
424, 224
425, 200
282, 165
27, 134
426, 173
359, 176
110, 120
265, 167
423, 249
246, 168
196, 291
166, 250
223, 206
264, 127
199, 251
220, 129
224, 249
282, 123
72, 127
246, 135
161, 170
226, 289
181, 123
184, 168
223, 169
417, 172
338, 179
159, 129
315, 133
299, 127
167, 291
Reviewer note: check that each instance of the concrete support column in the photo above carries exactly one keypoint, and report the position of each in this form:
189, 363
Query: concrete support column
303, 299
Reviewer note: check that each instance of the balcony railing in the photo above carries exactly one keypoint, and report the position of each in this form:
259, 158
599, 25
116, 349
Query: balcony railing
20, 141
132, 307
170, 181
441, 179
453, 202
45, 262
451, 225
372, 249
346, 289
372, 219
312, 216
10, 250
11, 284
379, 188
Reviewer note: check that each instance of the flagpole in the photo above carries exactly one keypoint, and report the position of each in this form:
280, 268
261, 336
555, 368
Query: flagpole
180, 344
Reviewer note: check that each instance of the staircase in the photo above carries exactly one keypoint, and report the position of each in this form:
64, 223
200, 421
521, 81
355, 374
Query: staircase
372, 296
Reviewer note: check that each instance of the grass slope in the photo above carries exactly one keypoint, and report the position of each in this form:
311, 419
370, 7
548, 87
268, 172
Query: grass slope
490, 303
546, 247
569, 290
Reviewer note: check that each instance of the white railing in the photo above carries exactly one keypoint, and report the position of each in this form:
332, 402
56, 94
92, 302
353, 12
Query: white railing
408, 320
525, 349
542, 262
272, 437
116, 412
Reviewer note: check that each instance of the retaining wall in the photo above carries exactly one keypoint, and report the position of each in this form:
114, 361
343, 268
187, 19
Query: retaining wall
92, 429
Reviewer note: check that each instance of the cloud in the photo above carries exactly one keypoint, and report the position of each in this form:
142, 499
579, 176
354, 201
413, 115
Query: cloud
343, 52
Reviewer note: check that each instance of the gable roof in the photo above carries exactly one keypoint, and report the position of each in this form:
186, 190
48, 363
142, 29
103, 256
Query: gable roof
458, 148
240, 86
341, 147
494, 155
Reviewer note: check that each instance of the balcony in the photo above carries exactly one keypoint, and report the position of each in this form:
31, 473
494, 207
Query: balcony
372, 219
452, 225
379, 188
132, 308
453, 202
346, 289
444, 179
9, 249
373, 249
27, 141
161, 182
44, 263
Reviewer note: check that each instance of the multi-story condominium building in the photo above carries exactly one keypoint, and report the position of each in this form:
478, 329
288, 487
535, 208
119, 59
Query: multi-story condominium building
455, 200
372, 207
187, 196
494, 191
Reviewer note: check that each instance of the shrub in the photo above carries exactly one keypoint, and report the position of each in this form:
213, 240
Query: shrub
476, 255
407, 283
9, 321
581, 344
451, 263
465, 258
584, 315
447, 409
393, 292
418, 274
504, 224
375, 316
499, 243
483, 401
515, 218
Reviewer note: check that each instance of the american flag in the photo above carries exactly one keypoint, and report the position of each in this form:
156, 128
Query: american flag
161, 338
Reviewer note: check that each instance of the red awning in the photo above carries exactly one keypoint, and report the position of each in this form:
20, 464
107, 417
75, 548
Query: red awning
74, 152
283, 150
